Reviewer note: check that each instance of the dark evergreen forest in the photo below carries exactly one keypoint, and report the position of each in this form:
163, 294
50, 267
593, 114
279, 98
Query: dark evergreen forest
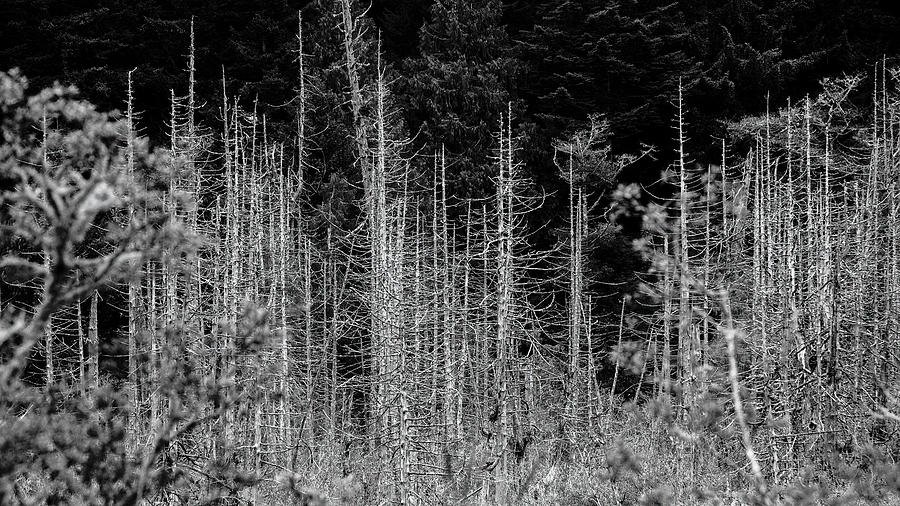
557, 62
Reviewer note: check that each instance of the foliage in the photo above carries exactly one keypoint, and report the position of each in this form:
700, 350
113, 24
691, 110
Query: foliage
62, 212
455, 90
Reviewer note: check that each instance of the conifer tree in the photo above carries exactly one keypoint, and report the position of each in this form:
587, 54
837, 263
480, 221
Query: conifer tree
458, 87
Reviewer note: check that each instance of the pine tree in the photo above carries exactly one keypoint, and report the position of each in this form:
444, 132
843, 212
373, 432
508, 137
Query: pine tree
458, 87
